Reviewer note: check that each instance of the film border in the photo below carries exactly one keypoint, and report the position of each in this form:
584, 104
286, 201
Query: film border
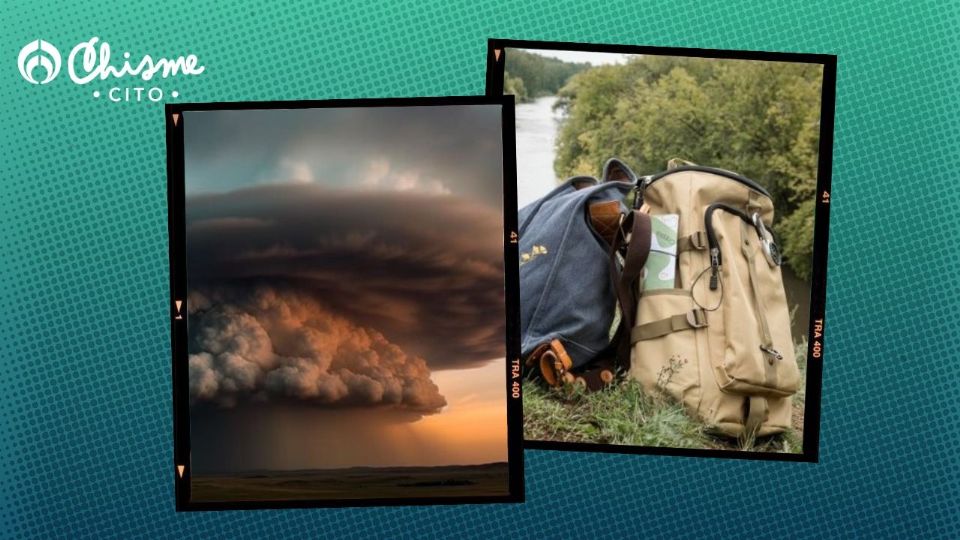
496, 59
175, 120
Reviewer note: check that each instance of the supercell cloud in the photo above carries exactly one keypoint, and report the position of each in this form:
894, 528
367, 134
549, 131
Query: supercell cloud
425, 270
272, 345
336, 258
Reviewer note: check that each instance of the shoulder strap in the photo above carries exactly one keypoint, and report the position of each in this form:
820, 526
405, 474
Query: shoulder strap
625, 277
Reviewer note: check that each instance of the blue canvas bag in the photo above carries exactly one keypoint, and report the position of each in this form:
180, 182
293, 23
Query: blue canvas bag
572, 280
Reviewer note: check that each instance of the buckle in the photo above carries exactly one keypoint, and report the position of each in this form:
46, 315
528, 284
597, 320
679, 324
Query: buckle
699, 240
696, 318
555, 364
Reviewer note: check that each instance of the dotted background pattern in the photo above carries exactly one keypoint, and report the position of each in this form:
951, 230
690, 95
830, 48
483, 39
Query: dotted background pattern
85, 384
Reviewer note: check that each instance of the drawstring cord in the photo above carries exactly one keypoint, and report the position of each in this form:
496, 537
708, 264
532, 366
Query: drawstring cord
694, 286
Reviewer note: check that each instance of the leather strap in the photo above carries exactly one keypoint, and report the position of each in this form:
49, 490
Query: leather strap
597, 375
625, 278
605, 217
691, 320
556, 368
555, 363
534, 357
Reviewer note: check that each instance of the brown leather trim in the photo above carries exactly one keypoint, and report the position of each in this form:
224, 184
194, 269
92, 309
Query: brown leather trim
605, 218
555, 364
597, 375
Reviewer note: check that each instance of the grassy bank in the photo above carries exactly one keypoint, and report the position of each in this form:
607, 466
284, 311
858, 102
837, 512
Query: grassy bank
624, 414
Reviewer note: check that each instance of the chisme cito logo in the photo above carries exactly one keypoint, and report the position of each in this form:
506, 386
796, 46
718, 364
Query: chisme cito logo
91, 62
39, 54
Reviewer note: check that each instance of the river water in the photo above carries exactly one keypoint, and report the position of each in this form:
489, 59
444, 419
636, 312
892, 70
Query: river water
537, 125
536, 135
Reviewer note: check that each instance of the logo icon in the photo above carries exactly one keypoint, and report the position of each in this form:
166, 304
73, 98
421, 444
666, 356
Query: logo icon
39, 53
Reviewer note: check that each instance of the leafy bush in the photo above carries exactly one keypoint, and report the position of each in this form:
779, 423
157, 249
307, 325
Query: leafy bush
514, 85
761, 119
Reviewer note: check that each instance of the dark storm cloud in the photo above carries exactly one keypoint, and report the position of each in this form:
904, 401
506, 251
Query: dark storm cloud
266, 344
457, 146
424, 270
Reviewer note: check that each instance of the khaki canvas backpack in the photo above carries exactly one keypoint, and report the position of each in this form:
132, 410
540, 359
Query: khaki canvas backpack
719, 341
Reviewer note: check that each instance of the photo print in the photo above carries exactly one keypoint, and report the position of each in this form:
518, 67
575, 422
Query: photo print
673, 207
341, 310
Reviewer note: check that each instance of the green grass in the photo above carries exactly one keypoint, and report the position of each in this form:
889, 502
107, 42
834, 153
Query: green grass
623, 414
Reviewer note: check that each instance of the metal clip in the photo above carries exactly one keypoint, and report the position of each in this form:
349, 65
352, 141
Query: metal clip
767, 244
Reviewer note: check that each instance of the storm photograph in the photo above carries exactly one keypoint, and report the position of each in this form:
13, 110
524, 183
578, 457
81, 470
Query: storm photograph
345, 276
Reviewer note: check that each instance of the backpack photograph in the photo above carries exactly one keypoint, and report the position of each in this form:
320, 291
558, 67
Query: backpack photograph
677, 309
572, 296
718, 340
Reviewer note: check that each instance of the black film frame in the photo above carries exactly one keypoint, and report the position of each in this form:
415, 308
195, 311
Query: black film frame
496, 61
174, 119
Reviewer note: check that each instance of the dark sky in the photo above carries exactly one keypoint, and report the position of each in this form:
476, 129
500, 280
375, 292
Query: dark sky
336, 259
452, 149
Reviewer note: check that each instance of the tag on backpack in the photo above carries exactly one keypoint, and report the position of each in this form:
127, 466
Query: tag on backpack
660, 271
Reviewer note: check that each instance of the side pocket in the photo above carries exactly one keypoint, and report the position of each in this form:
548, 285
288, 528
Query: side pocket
754, 312
665, 345
777, 312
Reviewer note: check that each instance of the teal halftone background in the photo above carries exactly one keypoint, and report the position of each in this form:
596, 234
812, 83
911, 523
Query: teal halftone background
85, 395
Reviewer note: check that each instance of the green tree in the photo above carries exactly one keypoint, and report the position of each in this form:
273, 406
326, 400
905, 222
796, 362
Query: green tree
538, 75
761, 119
514, 85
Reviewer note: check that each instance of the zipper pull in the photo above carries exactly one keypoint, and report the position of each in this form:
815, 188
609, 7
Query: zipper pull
772, 353
714, 268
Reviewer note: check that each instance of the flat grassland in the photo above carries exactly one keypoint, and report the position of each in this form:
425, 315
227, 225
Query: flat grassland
353, 483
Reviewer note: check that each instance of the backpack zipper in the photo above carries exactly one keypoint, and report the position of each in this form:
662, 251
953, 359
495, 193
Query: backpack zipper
716, 258
716, 261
